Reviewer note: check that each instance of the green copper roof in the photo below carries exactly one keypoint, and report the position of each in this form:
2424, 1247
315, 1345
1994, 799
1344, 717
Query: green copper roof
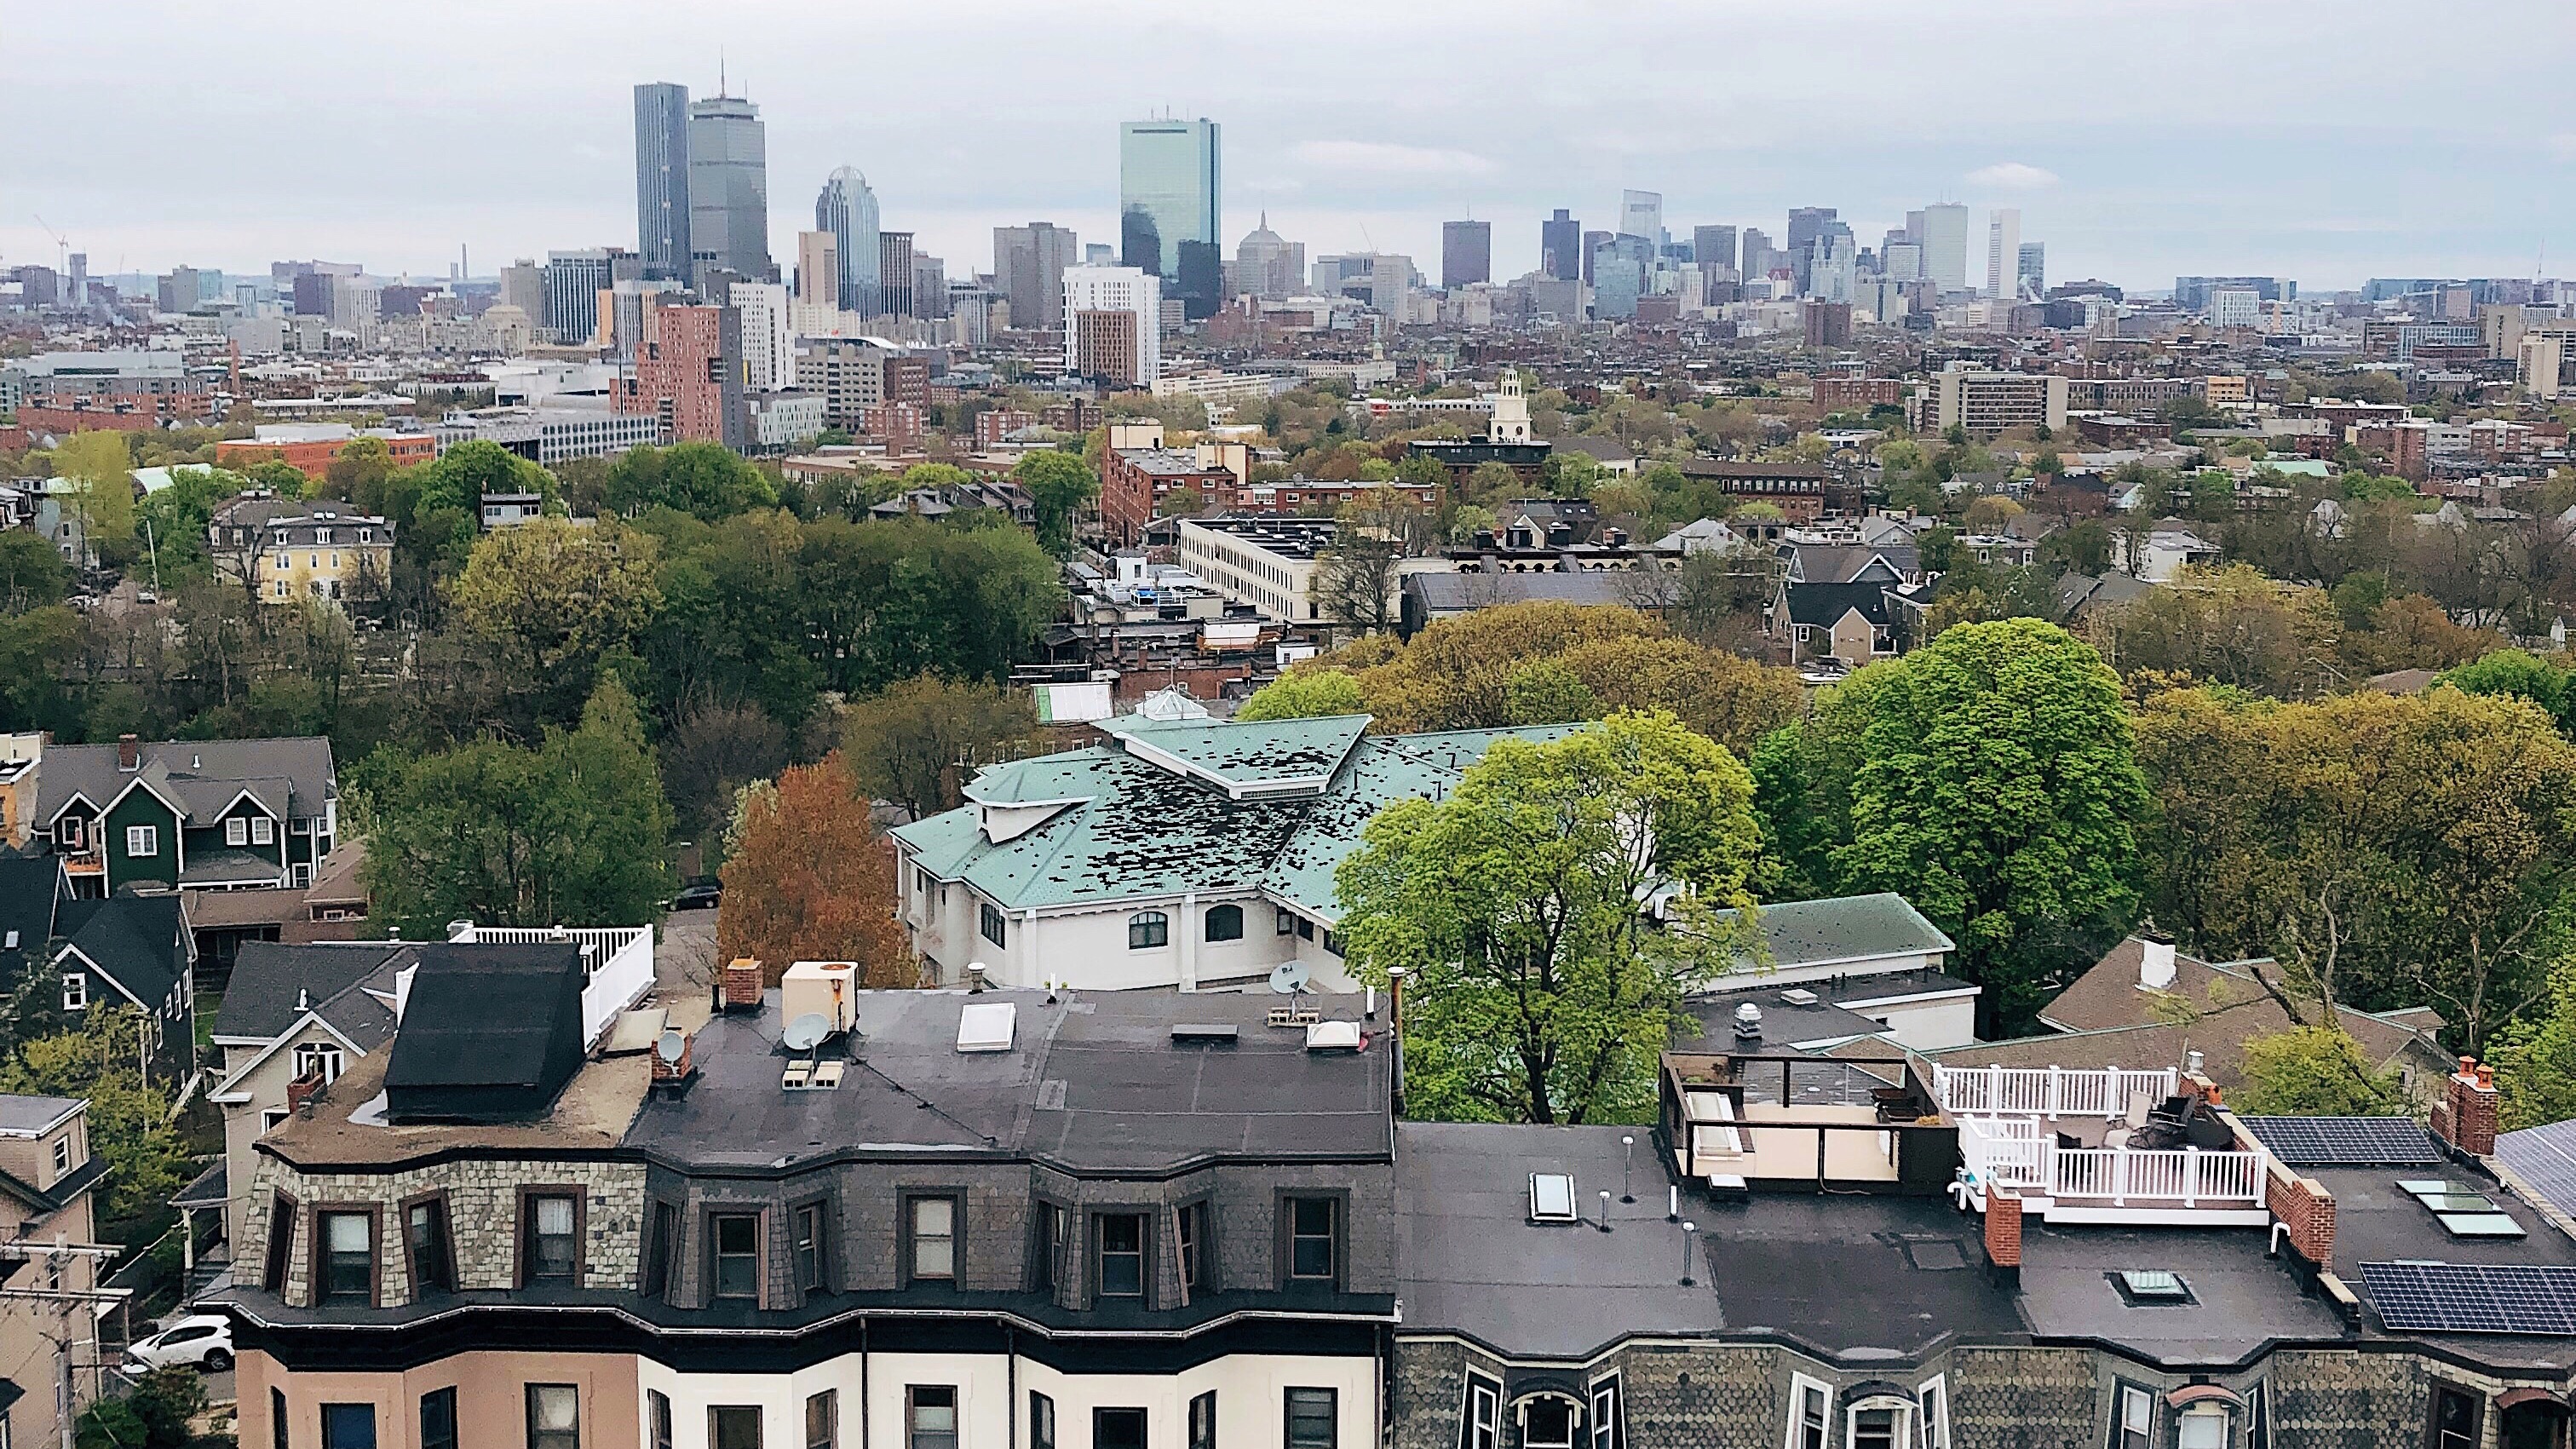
1846, 928
1139, 827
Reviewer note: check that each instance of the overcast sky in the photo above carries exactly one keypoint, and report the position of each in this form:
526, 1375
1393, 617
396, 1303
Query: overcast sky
2325, 140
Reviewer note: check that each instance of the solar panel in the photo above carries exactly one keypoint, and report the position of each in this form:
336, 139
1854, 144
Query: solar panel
2345, 1141
2545, 1157
2472, 1298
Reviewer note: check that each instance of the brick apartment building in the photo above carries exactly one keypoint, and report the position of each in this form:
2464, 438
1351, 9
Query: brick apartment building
1135, 481
688, 373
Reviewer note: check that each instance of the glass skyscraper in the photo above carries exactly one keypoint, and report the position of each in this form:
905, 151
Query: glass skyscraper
662, 178
728, 189
848, 210
1169, 180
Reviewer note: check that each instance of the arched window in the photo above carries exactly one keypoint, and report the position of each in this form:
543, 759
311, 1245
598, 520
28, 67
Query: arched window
1148, 928
1225, 923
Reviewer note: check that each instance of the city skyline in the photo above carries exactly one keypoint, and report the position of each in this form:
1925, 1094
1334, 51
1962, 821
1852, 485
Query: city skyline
2118, 184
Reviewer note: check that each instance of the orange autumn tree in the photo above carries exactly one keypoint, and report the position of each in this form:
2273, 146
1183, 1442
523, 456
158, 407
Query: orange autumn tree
812, 879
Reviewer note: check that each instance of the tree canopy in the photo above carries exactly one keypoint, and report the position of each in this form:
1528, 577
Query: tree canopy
809, 878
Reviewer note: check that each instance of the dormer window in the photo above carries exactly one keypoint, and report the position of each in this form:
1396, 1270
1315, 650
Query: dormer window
314, 1057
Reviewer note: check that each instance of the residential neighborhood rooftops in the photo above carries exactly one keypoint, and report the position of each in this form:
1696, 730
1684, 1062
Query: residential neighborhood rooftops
291, 778
22, 1116
1846, 931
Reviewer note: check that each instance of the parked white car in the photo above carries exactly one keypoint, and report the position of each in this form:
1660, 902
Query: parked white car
201, 1341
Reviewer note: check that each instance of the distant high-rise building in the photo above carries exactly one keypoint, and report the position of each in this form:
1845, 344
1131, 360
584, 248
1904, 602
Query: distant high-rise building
1113, 324
728, 189
523, 285
1593, 242
1028, 269
1901, 261
818, 269
1641, 213
2031, 272
1099, 254
929, 286
1945, 246
1713, 246
768, 341
1759, 255
662, 179
2003, 251
894, 273
1466, 252
1560, 246
573, 282
1200, 283
1805, 222
848, 210
689, 373
1170, 175
1267, 264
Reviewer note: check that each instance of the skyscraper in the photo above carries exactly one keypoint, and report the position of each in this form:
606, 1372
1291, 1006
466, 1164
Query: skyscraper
1466, 252
1759, 256
1945, 246
818, 269
1169, 180
2032, 271
1267, 264
2003, 251
1805, 223
1113, 324
1713, 246
1560, 246
662, 178
1641, 213
848, 210
1028, 269
728, 189
573, 282
894, 273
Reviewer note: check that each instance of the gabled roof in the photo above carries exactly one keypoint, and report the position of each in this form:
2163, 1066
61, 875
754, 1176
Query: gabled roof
1823, 605
30, 888
1450, 593
1843, 930
269, 980
291, 778
139, 942
1133, 827
2079, 593
1822, 563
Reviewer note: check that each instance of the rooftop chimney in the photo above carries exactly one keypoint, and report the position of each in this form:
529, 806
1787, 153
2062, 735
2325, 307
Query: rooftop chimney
741, 984
2156, 962
2466, 1115
129, 753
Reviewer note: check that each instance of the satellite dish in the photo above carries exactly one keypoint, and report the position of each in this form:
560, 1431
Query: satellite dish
1288, 979
806, 1032
673, 1045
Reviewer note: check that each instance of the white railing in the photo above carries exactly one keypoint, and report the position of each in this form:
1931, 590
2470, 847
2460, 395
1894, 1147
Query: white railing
617, 962
2018, 1153
2050, 1091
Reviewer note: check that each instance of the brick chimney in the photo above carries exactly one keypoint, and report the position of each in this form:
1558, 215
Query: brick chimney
2305, 1207
129, 753
301, 1092
742, 984
2466, 1115
2003, 1230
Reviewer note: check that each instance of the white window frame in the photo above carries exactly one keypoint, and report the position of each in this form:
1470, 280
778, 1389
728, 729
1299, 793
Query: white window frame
75, 991
2123, 1396
2221, 1414
62, 1154
1480, 1413
328, 1058
142, 842
270, 1117
1573, 1423
1902, 1408
1800, 1386
237, 832
1932, 1402
1602, 1428
263, 831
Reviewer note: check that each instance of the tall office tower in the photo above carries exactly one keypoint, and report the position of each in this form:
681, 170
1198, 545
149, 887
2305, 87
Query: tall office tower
1169, 179
1028, 269
728, 189
1560, 246
1901, 261
1267, 264
929, 286
1713, 246
1913, 228
818, 269
2031, 272
662, 179
1099, 254
523, 285
1200, 282
1641, 213
1466, 252
1945, 246
848, 210
573, 282
1759, 257
1805, 222
1113, 324
894, 273
2003, 251
768, 341
1593, 242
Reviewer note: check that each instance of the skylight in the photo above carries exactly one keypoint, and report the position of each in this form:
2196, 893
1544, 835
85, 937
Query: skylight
2151, 1286
2463, 1211
987, 1026
1552, 1197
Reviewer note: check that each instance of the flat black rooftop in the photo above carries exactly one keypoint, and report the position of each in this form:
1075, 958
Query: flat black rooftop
2378, 1222
1853, 1276
1090, 1082
2241, 1300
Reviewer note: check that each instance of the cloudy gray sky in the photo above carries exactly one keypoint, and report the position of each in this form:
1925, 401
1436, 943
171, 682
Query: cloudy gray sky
2328, 140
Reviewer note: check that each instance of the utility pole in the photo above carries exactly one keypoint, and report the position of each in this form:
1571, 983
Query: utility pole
56, 1258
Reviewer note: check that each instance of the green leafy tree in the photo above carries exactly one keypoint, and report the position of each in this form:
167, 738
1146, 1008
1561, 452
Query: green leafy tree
1996, 790
551, 598
2314, 1071
918, 742
99, 1057
1060, 486
2521, 673
102, 467
707, 481
155, 1415
460, 477
574, 832
1304, 694
32, 572
1537, 989
2535, 1059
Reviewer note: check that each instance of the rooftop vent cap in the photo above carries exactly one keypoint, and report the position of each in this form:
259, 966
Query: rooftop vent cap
2156, 964
1333, 1036
987, 1026
1748, 1022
